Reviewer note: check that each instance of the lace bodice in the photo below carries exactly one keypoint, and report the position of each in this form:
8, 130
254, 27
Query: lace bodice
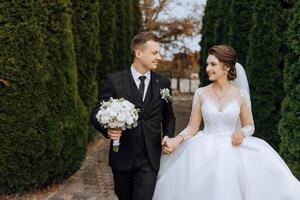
219, 117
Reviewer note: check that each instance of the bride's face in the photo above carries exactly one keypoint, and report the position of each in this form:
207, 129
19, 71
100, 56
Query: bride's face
215, 69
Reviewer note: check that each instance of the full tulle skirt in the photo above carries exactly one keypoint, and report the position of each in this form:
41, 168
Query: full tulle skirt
208, 167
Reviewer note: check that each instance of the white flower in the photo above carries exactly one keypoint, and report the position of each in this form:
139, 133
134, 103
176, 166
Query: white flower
117, 113
165, 94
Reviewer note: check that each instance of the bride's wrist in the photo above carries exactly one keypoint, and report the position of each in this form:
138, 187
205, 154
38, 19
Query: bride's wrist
242, 133
180, 139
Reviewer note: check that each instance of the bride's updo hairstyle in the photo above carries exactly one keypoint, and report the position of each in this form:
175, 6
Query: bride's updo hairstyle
227, 56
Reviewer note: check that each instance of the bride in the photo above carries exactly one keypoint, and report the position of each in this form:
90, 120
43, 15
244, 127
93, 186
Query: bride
222, 162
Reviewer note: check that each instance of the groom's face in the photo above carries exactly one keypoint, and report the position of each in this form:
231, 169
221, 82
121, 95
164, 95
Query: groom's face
149, 55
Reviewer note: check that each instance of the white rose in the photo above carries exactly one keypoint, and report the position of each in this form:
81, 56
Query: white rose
121, 117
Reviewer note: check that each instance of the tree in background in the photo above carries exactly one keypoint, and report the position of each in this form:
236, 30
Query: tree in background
23, 98
48, 81
134, 24
137, 17
170, 30
107, 23
87, 50
208, 38
67, 127
264, 70
122, 32
289, 127
43, 121
119, 22
220, 26
239, 22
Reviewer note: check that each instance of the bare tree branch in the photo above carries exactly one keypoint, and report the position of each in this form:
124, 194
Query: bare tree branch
173, 29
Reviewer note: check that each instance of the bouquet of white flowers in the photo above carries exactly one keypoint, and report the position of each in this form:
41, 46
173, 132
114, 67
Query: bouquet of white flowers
117, 113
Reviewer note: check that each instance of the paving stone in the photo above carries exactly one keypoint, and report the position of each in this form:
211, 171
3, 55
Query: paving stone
66, 196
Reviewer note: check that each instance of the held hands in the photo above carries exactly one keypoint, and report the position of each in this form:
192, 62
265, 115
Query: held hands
237, 138
170, 144
114, 133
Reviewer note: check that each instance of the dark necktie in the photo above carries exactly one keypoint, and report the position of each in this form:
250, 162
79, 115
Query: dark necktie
142, 86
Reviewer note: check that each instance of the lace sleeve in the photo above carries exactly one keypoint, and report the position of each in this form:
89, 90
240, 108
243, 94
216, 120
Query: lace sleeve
196, 116
246, 114
245, 98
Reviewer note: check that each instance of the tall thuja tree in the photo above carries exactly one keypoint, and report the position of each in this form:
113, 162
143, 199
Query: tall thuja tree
220, 26
238, 22
128, 22
87, 50
122, 33
136, 23
23, 97
289, 127
208, 38
107, 20
264, 71
134, 20
43, 124
67, 127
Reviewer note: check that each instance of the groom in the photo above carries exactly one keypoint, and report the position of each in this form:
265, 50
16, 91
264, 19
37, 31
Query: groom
136, 165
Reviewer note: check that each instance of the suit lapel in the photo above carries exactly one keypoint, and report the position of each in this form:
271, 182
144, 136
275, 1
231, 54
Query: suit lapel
127, 82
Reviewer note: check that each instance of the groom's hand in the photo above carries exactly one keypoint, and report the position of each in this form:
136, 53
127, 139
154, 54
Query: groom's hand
164, 144
114, 133
164, 141
171, 144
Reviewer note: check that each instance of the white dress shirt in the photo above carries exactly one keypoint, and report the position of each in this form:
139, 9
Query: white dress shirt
136, 75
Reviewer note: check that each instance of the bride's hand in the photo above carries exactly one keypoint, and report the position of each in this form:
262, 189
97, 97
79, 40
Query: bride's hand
171, 144
237, 138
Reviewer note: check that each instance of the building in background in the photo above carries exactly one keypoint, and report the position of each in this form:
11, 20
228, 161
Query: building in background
183, 71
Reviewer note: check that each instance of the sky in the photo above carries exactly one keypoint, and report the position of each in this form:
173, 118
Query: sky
182, 9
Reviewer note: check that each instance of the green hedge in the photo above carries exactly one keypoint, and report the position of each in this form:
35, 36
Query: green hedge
122, 29
264, 69
208, 38
107, 21
220, 27
50, 69
68, 115
86, 29
23, 111
43, 129
238, 23
289, 126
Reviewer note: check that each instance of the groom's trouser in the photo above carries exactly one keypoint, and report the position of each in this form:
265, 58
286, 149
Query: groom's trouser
138, 183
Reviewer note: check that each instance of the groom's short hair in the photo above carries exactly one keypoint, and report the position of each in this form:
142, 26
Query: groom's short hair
140, 40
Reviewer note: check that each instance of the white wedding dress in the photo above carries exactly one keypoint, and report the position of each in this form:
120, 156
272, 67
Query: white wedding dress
206, 166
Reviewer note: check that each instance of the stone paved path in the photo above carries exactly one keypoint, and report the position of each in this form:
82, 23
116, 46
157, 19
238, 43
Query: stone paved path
94, 179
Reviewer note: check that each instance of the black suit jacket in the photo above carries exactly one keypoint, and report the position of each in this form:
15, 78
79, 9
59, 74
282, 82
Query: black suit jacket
156, 118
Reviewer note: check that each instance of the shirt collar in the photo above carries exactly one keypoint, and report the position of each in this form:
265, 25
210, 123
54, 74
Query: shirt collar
137, 74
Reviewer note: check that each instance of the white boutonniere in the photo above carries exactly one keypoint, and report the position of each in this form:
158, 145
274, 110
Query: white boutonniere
165, 94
